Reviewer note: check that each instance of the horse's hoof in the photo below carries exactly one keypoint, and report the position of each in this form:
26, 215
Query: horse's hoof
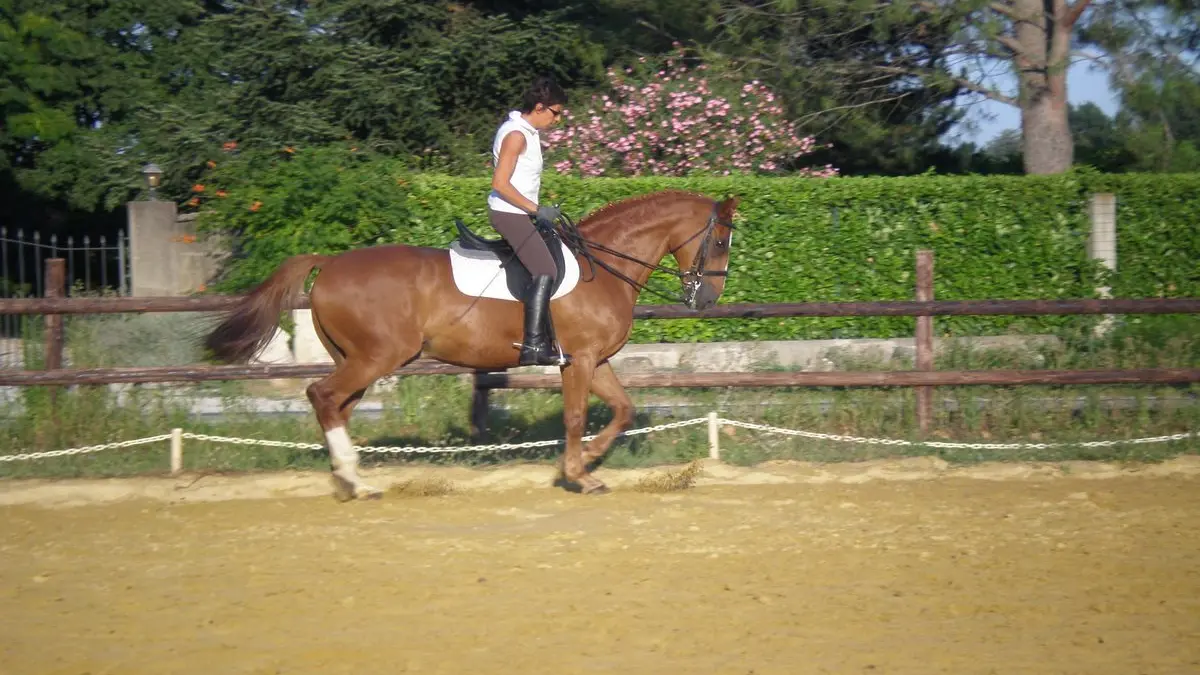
367, 492
600, 489
346, 491
343, 491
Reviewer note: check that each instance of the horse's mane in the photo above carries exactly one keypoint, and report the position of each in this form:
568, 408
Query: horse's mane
653, 201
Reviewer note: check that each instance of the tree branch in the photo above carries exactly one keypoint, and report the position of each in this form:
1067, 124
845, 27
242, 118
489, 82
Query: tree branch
1074, 12
987, 91
1005, 9
960, 81
1011, 44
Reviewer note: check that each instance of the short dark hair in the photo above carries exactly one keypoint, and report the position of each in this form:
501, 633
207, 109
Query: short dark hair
544, 90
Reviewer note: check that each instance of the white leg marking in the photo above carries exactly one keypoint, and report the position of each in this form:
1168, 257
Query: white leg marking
345, 460
341, 451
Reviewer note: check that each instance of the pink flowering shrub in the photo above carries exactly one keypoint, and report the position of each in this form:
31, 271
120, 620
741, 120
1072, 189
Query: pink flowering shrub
671, 120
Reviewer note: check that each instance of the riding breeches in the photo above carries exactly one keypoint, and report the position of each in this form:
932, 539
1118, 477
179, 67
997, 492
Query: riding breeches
531, 249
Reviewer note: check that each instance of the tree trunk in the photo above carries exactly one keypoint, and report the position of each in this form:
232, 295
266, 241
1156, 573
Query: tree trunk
1045, 132
1043, 37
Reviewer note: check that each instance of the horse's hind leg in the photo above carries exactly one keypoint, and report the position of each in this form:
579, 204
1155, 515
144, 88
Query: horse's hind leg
333, 398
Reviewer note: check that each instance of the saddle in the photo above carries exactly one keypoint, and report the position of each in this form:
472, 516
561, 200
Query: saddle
475, 260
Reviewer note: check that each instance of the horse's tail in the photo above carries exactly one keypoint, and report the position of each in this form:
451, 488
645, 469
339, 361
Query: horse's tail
251, 323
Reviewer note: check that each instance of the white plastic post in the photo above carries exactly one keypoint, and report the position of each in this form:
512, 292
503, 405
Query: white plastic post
714, 438
176, 451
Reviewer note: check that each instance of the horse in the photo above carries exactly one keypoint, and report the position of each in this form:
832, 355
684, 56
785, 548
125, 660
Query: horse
377, 308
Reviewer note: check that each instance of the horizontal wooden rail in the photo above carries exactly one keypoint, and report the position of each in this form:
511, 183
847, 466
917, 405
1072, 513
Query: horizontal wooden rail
632, 380
218, 303
926, 308
903, 378
162, 374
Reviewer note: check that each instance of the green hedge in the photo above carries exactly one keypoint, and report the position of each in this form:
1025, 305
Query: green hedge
844, 239
1006, 237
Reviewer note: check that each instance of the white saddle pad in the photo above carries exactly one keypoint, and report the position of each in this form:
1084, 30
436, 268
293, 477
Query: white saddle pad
478, 274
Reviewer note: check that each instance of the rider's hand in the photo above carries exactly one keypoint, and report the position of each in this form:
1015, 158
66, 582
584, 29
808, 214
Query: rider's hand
549, 214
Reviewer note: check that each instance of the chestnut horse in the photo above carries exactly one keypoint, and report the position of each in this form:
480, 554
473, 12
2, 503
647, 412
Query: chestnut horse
378, 308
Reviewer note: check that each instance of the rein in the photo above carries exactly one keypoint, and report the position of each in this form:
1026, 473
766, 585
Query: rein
691, 279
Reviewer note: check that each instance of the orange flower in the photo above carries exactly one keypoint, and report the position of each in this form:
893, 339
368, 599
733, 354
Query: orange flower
229, 146
290, 150
256, 206
211, 164
222, 194
198, 187
194, 201
353, 149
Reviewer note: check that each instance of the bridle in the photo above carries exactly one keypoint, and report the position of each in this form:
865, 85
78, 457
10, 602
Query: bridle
691, 279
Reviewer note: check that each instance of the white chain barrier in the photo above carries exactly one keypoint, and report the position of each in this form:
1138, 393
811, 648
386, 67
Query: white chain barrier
945, 444
632, 432
85, 449
435, 449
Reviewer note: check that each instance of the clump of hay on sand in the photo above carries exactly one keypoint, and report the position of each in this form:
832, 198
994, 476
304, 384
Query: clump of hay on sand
423, 487
671, 480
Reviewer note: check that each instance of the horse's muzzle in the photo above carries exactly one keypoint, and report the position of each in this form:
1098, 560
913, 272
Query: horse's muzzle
705, 297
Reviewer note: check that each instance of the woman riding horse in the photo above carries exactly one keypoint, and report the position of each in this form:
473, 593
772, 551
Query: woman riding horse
513, 206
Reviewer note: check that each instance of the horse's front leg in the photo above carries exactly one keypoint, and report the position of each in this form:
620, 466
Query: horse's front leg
609, 389
577, 382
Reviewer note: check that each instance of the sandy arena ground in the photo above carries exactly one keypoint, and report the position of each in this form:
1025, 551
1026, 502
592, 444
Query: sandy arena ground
881, 567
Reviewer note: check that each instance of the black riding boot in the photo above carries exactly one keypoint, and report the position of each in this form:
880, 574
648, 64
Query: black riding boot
538, 349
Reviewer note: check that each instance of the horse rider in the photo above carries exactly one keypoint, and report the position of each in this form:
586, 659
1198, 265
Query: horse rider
515, 213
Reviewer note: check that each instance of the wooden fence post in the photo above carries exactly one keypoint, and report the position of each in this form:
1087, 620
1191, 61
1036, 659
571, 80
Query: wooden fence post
56, 287
479, 407
924, 339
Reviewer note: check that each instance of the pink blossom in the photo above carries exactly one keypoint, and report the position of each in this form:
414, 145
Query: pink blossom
661, 120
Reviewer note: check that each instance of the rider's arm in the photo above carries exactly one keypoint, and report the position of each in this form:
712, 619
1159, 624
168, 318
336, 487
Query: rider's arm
511, 147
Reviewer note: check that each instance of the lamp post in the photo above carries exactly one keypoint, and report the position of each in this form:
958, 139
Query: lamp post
153, 176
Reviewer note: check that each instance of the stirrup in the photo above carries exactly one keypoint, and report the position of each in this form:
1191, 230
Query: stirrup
540, 357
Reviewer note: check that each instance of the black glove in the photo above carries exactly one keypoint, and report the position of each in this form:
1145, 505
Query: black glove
548, 214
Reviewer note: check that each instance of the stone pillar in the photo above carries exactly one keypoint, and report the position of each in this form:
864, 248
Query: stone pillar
1102, 243
166, 256
151, 227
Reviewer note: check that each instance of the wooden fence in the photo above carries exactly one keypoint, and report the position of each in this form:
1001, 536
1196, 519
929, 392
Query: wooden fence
924, 378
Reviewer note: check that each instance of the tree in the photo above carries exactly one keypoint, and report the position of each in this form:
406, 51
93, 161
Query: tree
890, 50
1032, 40
1101, 141
1150, 48
1036, 36
849, 74
91, 91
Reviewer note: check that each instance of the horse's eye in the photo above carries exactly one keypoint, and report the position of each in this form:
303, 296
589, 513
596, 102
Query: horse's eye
722, 243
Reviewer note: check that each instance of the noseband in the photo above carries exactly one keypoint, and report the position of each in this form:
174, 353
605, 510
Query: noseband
694, 277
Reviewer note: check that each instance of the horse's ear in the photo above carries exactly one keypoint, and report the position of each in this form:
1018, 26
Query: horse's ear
726, 208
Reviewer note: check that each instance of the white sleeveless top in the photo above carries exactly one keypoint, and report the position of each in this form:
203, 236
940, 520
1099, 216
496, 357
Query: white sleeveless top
527, 175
